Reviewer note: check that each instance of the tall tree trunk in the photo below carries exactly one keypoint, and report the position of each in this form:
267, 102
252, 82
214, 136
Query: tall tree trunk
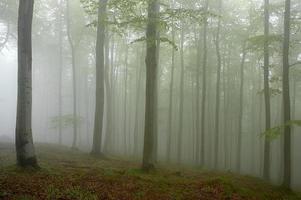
108, 94
286, 97
100, 69
197, 96
24, 142
170, 105
151, 86
204, 90
125, 121
241, 109
181, 104
138, 90
266, 164
218, 80
60, 69
72, 46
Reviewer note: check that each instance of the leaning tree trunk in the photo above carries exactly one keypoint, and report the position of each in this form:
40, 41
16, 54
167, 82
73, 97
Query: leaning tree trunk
100, 84
151, 86
286, 98
24, 141
266, 164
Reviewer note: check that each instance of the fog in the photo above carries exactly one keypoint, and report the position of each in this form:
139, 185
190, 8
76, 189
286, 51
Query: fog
64, 39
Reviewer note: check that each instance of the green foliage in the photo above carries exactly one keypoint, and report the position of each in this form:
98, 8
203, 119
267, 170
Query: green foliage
65, 120
123, 15
275, 132
162, 40
256, 43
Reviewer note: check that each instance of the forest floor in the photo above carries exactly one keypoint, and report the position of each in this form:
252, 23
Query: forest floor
73, 175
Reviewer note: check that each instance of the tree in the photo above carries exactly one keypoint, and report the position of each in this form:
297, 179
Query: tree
181, 103
241, 107
151, 86
171, 87
73, 49
218, 80
60, 13
266, 164
204, 90
286, 97
100, 69
24, 142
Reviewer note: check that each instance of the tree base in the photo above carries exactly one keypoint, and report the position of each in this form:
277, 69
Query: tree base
148, 167
28, 163
98, 155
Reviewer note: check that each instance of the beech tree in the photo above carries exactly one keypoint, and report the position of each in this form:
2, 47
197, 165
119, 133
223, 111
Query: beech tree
24, 142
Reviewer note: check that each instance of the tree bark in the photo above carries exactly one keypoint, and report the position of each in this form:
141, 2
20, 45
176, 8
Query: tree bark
151, 86
74, 88
241, 109
266, 165
204, 90
170, 105
286, 98
24, 142
181, 104
100, 84
60, 69
218, 80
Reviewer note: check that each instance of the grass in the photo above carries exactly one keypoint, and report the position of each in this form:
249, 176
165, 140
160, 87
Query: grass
72, 175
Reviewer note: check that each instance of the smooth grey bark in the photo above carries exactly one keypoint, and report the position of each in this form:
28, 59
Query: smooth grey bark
24, 142
241, 108
266, 163
204, 90
181, 103
286, 98
100, 83
218, 80
151, 86
74, 87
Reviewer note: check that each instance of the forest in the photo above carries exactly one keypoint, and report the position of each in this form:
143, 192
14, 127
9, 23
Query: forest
150, 99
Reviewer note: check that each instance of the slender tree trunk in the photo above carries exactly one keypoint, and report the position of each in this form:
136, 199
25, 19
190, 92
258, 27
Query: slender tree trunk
125, 121
108, 94
204, 90
72, 46
171, 86
266, 164
181, 104
138, 89
198, 85
100, 69
60, 69
286, 97
218, 80
240, 116
151, 86
24, 142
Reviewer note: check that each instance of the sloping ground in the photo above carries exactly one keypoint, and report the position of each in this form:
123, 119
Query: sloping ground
71, 175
